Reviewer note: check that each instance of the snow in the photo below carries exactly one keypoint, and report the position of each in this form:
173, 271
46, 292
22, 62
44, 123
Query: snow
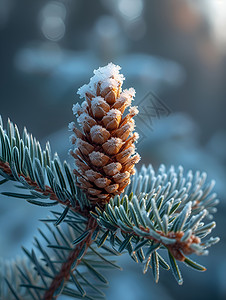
72, 138
84, 105
128, 93
134, 110
113, 113
136, 136
109, 82
109, 73
76, 108
98, 101
71, 126
83, 118
114, 141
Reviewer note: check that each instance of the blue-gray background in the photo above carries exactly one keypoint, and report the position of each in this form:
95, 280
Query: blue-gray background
175, 48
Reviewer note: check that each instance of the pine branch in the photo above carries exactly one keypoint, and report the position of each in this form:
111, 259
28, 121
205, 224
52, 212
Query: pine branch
103, 203
32, 185
23, 160
13, 270
37, 274
79, 251
163, 211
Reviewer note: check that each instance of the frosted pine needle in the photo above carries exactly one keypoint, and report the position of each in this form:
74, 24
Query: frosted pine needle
104, 149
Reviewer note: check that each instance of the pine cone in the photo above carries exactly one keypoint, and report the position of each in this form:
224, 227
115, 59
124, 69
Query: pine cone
104, 149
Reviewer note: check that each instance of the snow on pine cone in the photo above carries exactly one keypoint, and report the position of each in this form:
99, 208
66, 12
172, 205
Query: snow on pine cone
104, 149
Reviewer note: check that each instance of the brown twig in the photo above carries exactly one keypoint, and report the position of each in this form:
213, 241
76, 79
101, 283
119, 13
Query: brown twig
64, 274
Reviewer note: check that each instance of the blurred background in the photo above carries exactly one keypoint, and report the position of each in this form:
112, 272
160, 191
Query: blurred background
175, 49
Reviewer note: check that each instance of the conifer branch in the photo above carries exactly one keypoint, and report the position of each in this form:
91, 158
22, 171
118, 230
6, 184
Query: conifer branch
33, 185
106, 201
66, 268
168, 217
22, 159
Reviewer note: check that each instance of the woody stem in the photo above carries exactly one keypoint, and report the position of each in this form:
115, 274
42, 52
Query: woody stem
66, 268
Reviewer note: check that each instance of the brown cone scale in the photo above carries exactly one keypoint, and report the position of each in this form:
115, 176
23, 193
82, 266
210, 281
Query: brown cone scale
104, 149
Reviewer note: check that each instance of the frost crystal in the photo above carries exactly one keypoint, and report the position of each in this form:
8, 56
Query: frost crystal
108, 75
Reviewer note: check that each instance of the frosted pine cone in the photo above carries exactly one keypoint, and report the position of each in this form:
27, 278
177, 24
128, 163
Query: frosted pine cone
104, 149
